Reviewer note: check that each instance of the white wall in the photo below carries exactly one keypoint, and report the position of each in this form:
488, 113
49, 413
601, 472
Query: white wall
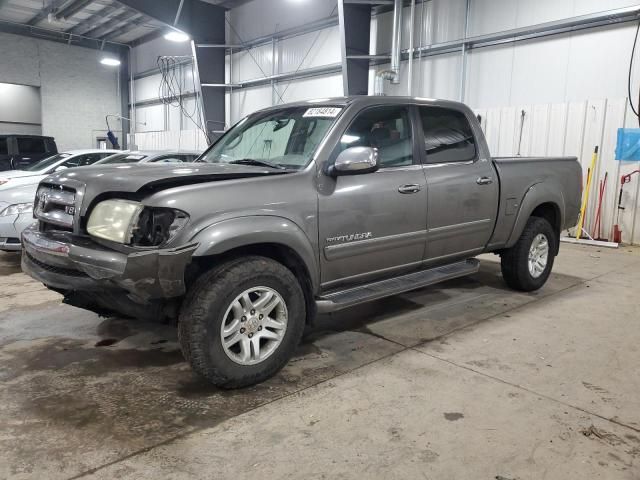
76, 90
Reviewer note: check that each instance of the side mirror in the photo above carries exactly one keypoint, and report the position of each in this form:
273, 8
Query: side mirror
354, 161
60, 168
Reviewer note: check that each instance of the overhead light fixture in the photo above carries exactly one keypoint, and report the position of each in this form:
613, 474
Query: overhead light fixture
177, 36
112, 62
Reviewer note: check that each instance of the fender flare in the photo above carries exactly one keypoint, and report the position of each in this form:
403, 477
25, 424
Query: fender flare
227, 235
536, 195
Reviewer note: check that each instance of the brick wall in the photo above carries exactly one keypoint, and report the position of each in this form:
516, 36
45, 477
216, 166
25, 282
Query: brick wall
77, 91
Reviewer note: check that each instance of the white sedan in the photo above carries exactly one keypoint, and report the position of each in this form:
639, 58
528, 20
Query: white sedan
18, 191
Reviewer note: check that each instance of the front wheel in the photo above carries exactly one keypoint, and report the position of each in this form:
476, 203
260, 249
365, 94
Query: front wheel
527, 265
242, 321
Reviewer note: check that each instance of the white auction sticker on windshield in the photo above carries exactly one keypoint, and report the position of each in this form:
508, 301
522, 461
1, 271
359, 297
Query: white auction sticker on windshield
326, 112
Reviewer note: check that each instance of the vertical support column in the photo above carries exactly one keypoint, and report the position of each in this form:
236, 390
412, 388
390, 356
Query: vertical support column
125, 98
463, 66
206, 24
355, 36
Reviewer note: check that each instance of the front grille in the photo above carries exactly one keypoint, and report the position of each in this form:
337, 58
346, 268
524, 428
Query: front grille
55, 207
50, 268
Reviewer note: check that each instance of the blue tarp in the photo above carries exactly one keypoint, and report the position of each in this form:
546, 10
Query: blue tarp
628, 146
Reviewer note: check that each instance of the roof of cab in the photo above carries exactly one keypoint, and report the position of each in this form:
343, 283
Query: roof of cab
365, 100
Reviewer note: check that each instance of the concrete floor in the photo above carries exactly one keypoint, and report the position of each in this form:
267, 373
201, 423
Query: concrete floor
463, 380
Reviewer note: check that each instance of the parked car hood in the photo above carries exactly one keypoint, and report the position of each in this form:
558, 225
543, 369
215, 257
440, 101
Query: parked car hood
149, 178
17, 181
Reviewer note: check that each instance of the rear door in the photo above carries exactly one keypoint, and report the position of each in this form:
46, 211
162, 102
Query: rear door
462, 186
373, 225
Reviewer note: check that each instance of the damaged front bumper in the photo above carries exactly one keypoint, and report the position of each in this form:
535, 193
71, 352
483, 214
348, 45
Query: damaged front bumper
68, 262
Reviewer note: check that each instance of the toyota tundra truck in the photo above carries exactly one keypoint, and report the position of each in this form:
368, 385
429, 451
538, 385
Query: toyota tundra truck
299, 209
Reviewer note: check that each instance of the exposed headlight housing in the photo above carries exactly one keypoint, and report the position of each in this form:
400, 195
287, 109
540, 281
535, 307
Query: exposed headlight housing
17, 209
114, 220
156, 226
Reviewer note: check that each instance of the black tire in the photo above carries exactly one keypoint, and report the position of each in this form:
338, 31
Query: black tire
202, 312
514, 260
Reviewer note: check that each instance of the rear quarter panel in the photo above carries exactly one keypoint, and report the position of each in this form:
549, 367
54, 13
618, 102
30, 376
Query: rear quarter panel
526, 183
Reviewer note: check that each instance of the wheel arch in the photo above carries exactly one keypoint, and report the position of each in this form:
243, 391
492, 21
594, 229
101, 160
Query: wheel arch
273, 237
544, 201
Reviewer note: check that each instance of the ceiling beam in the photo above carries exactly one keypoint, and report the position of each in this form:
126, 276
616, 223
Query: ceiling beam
95, 19
115, 22
72, 8
44, 13
127, 27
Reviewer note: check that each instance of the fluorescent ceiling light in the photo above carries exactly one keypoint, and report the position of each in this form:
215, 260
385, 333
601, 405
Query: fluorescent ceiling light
112, 62
176, 36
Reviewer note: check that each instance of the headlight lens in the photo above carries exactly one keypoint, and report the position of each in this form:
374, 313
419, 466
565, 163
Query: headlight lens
17, 209
114, 220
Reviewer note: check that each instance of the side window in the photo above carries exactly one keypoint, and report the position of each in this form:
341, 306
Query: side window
73, 161
28, 145
90, 159
169, 159
386, 128
447, 135
3, 146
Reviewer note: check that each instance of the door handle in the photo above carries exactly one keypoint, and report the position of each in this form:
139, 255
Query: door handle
409, 188
484, 181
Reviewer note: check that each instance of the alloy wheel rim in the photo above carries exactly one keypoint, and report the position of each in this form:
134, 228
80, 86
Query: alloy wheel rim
538, 255
254, 325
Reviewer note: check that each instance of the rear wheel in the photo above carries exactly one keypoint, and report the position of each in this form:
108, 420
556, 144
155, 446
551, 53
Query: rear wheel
527, 265
242, 321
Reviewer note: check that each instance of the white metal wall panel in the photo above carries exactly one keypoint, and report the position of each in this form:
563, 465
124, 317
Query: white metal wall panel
489, 76
557, 129
171, 140
147, 88
488, 16
261, 18
539, 140
152, 116
248, 100
251, 64
324, 86
310, 50
509, 131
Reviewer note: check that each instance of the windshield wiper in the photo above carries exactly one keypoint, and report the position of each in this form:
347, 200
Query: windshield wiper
257, 163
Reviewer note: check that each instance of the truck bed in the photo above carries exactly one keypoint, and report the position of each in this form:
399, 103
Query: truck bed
527, 182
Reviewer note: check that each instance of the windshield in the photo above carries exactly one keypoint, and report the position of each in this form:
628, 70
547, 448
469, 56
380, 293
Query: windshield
121, 158
285, 138
46, 163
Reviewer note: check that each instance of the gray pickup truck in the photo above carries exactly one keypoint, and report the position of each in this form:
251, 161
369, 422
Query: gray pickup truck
298, 209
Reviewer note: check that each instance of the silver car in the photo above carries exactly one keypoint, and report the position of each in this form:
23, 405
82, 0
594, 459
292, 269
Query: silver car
165, 156
18, 189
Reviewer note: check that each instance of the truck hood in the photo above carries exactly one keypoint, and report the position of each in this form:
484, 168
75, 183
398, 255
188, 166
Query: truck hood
149, 178
153, 177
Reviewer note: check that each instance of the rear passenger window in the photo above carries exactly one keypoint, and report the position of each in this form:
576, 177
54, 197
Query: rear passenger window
30, 145
3, 147
447, 135
386, 128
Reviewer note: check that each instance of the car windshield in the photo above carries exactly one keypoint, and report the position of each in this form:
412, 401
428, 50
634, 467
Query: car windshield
282, 139
121, 158
46, 163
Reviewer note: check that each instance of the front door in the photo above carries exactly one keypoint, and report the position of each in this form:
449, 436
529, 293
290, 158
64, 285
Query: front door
374, 225
462, 186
